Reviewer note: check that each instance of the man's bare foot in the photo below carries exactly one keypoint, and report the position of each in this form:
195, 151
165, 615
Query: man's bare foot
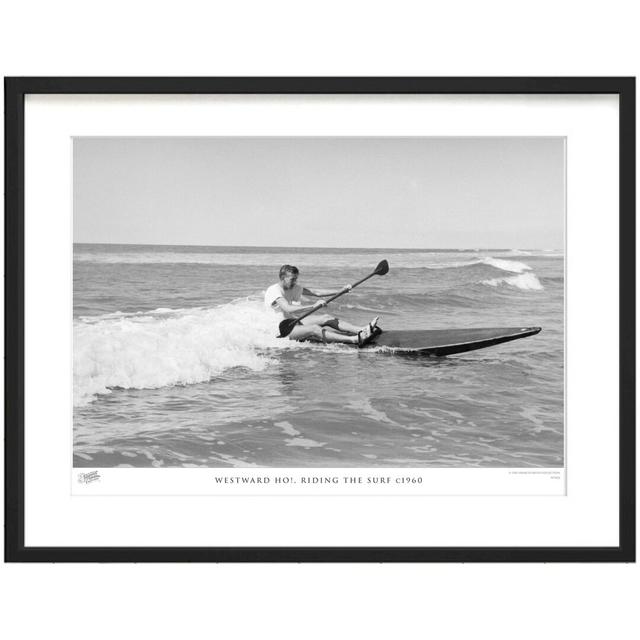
365, 335
374, 328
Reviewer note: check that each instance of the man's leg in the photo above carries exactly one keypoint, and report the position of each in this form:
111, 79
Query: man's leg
347, 327
324, 320
320, 334
327, 320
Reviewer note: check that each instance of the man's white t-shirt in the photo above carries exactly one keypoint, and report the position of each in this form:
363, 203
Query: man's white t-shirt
275, 291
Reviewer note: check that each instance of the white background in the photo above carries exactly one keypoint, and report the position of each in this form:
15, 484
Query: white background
332, 38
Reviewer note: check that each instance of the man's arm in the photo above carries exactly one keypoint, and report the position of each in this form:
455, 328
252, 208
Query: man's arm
317, 293
287, 307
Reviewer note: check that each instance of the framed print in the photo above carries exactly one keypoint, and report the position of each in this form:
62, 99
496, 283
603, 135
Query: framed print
320, 319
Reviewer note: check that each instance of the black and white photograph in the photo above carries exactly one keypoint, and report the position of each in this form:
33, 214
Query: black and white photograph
319, 302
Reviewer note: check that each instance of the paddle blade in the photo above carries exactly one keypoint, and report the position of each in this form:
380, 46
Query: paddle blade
286, 327
382, 268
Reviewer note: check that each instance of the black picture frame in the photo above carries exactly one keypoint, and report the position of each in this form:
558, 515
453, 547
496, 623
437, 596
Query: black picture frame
15, 91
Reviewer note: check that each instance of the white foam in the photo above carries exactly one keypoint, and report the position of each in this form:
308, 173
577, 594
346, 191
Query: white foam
157, 349
287, 427
525, 281
497, 263
506, 265
133, 314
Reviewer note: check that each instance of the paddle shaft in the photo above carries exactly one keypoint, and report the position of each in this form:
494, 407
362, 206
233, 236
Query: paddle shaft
337, 295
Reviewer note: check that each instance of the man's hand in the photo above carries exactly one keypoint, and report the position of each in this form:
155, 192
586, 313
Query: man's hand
319, 304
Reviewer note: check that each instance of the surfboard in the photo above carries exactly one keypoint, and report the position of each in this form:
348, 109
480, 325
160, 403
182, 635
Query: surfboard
445, 342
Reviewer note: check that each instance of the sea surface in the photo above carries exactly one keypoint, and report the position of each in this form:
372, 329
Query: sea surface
177, 364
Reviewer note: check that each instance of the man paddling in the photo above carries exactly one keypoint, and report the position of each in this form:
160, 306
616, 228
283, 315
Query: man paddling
284, 298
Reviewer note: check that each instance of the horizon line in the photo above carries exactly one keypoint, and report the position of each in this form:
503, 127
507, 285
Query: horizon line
267, 246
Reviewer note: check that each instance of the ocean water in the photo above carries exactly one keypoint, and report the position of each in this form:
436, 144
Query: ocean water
176, 360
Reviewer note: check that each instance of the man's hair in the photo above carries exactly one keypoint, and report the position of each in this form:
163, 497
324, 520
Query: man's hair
287, 268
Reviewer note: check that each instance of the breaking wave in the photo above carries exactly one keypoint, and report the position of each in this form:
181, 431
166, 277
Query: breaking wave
165, 347
506, 265
524, 281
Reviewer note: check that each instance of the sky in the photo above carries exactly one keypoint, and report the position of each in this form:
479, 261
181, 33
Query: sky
373, 192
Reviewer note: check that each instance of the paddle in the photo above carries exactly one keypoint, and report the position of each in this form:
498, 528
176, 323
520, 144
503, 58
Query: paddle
286, 326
